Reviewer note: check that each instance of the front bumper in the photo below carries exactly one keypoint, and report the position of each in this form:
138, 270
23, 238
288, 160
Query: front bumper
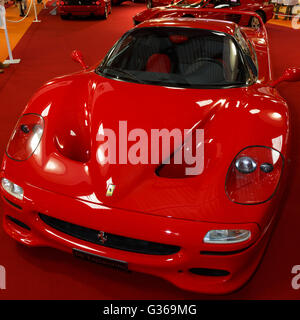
239, 260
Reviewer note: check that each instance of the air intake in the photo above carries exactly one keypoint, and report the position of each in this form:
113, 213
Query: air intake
111, 240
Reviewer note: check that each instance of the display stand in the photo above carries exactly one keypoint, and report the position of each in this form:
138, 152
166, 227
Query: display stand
11, 60
35, 12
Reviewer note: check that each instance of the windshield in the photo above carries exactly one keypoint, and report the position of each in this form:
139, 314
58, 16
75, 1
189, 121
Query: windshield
180, 57
189, 4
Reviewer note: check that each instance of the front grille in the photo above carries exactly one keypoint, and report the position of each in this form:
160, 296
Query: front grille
113, 241
79, 2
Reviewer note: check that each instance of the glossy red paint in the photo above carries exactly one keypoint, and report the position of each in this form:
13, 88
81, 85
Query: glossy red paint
100, 8
117, 2
144, 206
263, 8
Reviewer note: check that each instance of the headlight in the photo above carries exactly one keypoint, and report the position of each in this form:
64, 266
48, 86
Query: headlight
227, 236
254, 175
245, 164
12, 188
26, 137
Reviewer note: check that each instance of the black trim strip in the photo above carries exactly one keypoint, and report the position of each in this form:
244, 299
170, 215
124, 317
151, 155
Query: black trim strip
209, 272
223, 253
19, 223
12, 203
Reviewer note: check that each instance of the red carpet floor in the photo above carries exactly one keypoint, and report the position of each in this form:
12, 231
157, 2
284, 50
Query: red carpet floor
49, 274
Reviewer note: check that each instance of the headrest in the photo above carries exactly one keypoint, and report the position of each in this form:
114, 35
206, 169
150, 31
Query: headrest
159, 62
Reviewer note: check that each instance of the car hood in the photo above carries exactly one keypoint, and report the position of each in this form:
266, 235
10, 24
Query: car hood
82, 105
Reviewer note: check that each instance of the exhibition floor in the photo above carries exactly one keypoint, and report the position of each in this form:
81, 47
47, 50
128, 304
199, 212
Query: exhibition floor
16, 29
44, 273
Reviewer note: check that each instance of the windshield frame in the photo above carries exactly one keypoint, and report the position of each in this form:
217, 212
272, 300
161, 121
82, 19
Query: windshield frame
249, 52
250, 79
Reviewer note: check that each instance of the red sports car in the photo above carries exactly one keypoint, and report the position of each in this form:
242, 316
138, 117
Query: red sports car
96, 8
204, 231
164, 3
190, 8
117, 2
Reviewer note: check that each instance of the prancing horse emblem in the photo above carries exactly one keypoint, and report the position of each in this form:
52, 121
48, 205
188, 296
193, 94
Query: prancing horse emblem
102, 237
110, 190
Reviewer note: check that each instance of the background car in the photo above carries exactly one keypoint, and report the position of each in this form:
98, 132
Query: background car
118, 2
205, 233
96, 8
189, 8
162, 3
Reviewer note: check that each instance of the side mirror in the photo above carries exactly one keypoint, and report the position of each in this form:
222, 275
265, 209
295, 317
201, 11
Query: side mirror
77, 56
290, 75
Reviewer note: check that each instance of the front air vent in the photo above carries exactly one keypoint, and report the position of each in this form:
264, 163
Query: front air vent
111, 240
12, 203
209, 272
18, 223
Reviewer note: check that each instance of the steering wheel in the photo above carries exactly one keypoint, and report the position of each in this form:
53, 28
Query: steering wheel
200, 62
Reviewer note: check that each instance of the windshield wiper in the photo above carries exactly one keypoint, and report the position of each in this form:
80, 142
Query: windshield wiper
126, 73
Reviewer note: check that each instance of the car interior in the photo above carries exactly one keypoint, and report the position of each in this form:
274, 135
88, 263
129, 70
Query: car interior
188, 58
